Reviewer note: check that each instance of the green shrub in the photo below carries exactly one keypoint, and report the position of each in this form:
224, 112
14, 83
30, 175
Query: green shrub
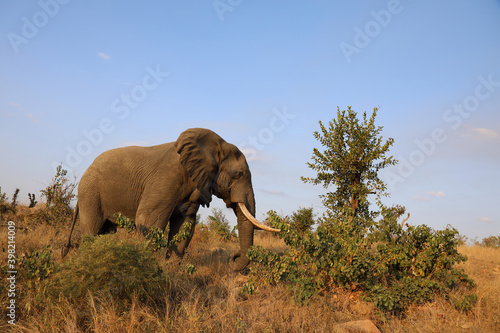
33, 201
218, 224
61, 190
109, 268
302, 220
13, 203
156, 238
5, 206
391, 265
185, 233
465, 304
409, 265
58, 195
37, 265
125, 222
491, 241
190, 269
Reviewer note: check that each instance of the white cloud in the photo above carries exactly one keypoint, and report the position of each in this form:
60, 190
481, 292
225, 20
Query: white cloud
484, 132
277, 193
474, 144
17, 106
485, 219
437, 194
19, 109
420, 198
252, 154
481, 134
32, 117
429, 194
104, 56
136, 143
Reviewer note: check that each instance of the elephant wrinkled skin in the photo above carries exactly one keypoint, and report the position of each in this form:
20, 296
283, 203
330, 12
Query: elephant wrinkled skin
167, 183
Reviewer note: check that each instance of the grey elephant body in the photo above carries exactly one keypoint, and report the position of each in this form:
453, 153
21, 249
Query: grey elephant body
167, 183
146, 183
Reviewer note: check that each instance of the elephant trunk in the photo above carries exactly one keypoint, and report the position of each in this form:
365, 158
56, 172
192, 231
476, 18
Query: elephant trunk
239, 260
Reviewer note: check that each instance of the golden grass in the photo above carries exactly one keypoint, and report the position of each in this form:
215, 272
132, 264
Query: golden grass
210, 300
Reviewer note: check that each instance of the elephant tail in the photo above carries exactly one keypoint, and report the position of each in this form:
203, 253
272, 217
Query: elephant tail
66, 247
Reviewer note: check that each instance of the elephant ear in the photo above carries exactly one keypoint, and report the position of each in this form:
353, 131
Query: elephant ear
199, 152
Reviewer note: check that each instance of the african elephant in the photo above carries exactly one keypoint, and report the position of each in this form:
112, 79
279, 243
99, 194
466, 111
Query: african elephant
167, 183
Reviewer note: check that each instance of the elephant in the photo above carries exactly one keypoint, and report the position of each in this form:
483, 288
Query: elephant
167, 183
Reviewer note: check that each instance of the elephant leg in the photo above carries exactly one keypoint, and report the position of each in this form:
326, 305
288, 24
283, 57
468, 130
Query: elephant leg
175, 226
176, 222
91, 216
182, 245
147, 218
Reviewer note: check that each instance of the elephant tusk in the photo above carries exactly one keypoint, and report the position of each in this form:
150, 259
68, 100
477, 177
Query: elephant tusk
254, 221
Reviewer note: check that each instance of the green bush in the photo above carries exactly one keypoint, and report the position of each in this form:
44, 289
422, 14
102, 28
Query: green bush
109, 268
13, 204
392, 266
5, 206
302, 220
185, 233
491, 241
37, 265
125, 222
218, 224
190, 269
58, 195
61, 190
33, 201
155, 236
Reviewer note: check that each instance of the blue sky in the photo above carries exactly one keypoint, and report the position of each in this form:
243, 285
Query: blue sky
80, 77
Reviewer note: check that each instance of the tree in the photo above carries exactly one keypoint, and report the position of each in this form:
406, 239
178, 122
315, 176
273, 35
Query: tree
302, 220
4, 207
354, 153
13, 204
33, 201
394, 265
59, 194
218, 224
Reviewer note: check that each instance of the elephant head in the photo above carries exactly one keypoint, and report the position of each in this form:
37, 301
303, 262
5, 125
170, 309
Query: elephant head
220, 168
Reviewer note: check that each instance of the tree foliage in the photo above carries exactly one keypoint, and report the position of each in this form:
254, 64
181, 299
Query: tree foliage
354, 152
58, 195
490, 241
302, 220
33, 201
218, 224
61, 190
5, 206
391, 264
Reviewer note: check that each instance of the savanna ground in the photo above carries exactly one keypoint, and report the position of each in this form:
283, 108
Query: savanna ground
201, 294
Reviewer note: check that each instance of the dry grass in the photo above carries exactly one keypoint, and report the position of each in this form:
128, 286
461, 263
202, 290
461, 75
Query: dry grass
210, 300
